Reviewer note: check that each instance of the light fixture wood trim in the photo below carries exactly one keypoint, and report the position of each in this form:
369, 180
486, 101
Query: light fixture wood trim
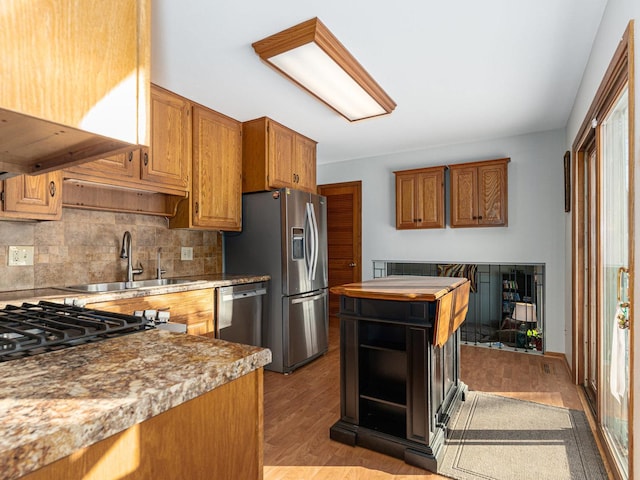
315, 31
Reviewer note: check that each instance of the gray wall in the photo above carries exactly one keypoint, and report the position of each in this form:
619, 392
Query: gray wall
536, 231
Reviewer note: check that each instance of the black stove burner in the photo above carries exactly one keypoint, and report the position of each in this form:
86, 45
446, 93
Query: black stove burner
38, 328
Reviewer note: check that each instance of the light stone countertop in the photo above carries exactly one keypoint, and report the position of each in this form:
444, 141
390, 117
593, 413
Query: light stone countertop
58, 402
59, 294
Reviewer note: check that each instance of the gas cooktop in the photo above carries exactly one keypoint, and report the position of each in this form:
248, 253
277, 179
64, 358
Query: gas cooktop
34, 328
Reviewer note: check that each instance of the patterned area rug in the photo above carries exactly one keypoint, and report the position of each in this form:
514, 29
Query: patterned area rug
499, 438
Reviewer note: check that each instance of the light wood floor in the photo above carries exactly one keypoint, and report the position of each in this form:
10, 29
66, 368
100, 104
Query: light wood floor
300, 408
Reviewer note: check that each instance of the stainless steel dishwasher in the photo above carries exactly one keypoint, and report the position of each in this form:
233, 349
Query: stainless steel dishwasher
240, 313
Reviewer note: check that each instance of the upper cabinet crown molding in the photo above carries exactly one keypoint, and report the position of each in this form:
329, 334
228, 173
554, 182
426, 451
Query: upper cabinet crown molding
75, 81
420, 198
274, 156
479, 193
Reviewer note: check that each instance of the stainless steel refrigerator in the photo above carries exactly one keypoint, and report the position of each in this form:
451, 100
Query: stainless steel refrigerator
284, 235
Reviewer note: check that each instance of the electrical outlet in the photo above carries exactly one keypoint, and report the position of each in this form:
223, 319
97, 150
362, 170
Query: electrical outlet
186, 253
20, 256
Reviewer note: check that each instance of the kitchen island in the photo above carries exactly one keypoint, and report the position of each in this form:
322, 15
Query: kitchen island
399, 364
151, 404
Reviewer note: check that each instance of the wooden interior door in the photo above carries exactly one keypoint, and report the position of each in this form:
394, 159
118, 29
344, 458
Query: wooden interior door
344, 235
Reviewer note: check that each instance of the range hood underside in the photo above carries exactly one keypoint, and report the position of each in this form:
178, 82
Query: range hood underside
31, 145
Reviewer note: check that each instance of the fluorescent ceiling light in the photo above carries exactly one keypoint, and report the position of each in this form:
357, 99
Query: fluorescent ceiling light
313, 58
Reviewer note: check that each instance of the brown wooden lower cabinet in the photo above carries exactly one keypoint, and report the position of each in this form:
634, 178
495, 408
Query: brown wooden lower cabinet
218, 435
194, 308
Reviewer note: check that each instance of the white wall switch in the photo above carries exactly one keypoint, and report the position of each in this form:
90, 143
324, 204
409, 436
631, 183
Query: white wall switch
186, 253
20, 255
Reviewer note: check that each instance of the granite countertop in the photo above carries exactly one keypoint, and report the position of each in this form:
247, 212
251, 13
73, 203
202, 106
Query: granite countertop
17, 297
401, 288
56, 403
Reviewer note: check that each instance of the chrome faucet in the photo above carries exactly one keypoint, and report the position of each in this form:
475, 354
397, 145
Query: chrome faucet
159, 270
126, 253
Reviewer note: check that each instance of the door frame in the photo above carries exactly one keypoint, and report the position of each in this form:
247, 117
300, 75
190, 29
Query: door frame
619, 73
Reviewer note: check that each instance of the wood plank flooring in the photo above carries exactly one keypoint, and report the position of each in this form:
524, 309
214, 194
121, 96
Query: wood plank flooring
300, 408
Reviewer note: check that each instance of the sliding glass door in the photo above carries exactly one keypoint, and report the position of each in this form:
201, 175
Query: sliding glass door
603, 259
614, 232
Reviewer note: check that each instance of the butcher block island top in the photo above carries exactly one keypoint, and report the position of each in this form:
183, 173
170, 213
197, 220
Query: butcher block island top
401, 288
57, 403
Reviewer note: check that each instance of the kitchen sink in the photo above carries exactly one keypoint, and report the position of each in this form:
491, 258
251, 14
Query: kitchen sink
116, 286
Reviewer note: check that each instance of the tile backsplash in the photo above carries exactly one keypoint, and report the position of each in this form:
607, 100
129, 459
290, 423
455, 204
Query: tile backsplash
84, 247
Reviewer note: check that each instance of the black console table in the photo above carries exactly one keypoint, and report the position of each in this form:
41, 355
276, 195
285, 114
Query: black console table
399, 365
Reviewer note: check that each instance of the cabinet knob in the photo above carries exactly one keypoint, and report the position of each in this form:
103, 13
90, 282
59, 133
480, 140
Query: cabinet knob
52, 189
352, 264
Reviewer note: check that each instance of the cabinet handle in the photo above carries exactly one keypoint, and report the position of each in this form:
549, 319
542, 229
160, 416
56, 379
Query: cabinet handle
352, 264
52, 189
146, 159
130, 157
197, 208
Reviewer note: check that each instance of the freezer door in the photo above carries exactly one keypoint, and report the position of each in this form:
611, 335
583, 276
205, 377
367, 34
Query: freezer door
306, 327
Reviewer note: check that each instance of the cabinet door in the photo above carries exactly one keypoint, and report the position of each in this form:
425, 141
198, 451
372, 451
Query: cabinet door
492, 194
429, 200
168, 162
82, 63
304, 169
34, 196
464, 202
217, 170
123, 167
281, 145
406, 191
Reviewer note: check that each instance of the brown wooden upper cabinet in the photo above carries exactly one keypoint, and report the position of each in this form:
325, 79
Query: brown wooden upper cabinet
274, 156
479, 193
163, 168
216, 192
35, 197
420, 198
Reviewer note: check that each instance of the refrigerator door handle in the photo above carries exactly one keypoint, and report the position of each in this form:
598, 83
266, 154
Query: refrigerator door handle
316, 245
312, 243
308, 299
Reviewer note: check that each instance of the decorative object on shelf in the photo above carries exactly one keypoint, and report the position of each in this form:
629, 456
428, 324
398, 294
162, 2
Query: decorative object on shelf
567, 181
312, 57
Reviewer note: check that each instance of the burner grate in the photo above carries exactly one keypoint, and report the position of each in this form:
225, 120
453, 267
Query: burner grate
32, 328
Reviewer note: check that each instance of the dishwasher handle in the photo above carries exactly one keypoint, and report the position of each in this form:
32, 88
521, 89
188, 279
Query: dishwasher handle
228, 297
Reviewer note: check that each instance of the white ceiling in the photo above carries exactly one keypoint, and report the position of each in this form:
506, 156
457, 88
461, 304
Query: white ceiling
459, 71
